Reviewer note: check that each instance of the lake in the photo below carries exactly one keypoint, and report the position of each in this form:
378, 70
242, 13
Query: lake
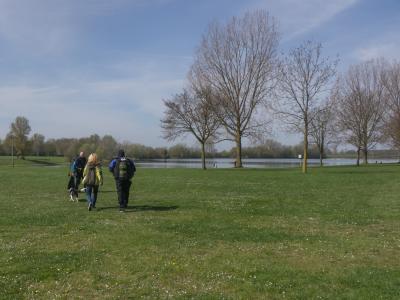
250, 162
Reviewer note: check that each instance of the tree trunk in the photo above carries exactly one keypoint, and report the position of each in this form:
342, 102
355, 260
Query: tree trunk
358, 156
238, 161
321, 154
320, 159
365, 156
305, 157
203, 156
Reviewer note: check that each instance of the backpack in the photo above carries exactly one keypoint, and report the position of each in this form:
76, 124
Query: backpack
123, 169
71, 168
79, 165
91, 176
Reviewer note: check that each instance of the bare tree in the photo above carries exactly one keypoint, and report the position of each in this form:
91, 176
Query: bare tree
305, 78
190, 112
37, 141
322, 127
238, 61
361, 107
391, 83
348, 121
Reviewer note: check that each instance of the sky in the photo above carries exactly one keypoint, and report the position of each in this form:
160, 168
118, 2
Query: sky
79, 67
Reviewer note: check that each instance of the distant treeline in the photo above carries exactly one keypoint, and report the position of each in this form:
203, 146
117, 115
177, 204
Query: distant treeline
106, 147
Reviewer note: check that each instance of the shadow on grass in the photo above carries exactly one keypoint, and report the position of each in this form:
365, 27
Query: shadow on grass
141, 208
43, 162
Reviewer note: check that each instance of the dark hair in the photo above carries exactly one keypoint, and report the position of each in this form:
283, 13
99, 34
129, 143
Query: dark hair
121, 153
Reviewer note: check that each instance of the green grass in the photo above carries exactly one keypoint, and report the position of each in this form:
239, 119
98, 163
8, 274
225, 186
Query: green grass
217, 234
32, 161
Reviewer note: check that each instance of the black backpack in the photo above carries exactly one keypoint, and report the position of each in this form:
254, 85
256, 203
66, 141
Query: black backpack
123, 169
91, 176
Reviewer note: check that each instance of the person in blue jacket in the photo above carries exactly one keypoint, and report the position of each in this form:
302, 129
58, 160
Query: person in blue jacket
123, 170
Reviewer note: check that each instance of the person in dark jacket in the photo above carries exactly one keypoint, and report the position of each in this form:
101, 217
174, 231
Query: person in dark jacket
73, 195
123, 170
79, 166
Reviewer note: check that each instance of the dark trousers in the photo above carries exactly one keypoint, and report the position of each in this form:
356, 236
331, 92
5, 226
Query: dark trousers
91, 194
78, 179
71, 183
123, 187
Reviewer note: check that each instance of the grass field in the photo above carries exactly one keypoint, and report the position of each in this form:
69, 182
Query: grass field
217, 234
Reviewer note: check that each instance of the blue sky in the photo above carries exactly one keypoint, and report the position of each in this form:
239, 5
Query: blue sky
79, 67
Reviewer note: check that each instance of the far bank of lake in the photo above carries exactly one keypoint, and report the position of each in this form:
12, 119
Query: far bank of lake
251, 162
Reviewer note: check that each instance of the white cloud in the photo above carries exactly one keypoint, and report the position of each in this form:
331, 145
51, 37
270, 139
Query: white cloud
297, 17
387, 49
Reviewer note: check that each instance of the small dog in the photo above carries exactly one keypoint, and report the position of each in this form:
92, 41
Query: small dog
73, 193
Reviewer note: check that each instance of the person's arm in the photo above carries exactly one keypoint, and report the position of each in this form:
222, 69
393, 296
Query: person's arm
132, 168
111, 166
74, 168
100, 175
85, 171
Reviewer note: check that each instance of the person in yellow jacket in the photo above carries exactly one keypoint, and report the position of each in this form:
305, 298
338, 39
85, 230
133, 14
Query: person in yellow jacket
92, 178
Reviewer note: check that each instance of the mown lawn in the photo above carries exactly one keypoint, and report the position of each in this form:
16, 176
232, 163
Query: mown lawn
217, 234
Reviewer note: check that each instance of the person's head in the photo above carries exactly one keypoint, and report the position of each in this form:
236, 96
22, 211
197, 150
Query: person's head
92, 159
121, 153
81, 154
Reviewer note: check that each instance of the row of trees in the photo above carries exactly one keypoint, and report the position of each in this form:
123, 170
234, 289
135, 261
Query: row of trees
20, 144
238, 84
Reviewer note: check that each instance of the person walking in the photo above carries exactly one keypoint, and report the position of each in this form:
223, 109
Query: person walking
73, 194
123, 170
79, 165
92, 178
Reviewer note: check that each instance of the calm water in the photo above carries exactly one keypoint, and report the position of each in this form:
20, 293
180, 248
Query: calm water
249, 163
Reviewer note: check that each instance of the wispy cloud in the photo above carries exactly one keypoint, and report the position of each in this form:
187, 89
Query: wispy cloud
298, 17
48, 27
128, 107
386, 46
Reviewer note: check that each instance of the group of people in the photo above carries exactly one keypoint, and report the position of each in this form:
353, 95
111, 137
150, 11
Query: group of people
89, 173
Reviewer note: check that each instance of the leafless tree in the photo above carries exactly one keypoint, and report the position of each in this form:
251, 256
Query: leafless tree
322, 131
238, 61
361, 107
37, 141
391, 83
190, 113
348, 121
305, 78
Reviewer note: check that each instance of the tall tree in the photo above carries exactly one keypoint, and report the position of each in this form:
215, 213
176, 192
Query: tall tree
362, 106
305, 78
391, 83
238, 61
322, 128
37, 142
190, 113
19, 131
